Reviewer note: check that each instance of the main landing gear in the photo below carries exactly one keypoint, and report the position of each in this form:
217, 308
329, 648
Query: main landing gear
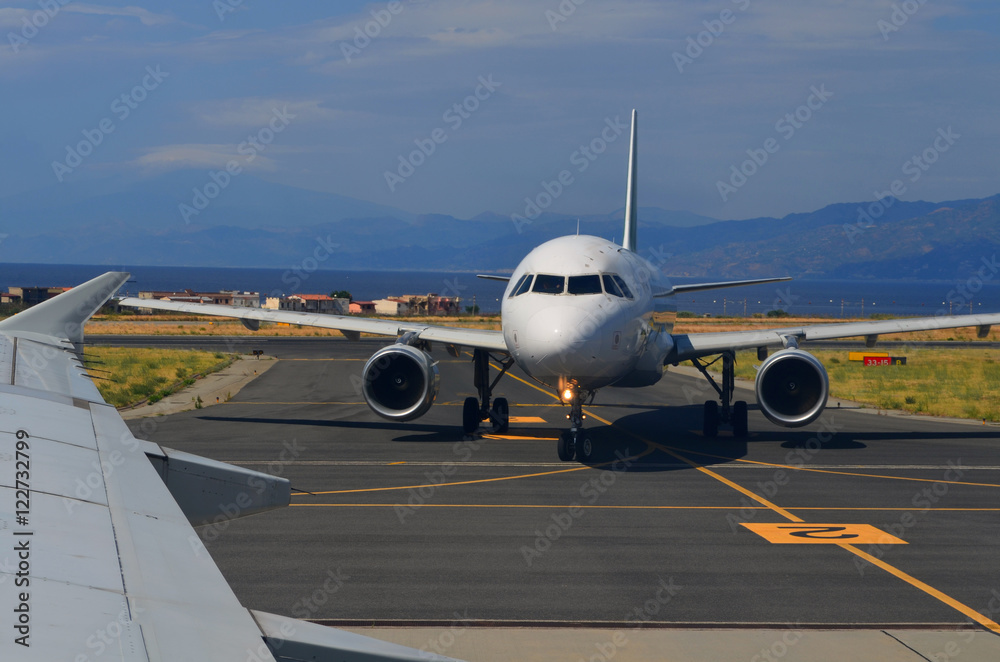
575, 442
475, 411
729, 412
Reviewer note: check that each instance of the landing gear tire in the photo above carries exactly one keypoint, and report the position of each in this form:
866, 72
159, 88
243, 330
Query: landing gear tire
584, 448
501, 415
710, 426
566, 447
740, 427
470, 415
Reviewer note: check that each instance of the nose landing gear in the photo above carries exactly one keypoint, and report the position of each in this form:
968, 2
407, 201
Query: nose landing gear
575, 442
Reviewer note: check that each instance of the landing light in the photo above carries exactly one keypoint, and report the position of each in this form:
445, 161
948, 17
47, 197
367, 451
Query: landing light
567, 394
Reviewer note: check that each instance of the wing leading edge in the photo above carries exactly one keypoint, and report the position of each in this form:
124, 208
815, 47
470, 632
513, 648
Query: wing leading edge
351, 327
694, 345
97, 557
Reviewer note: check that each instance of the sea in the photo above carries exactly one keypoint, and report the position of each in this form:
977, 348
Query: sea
812, 297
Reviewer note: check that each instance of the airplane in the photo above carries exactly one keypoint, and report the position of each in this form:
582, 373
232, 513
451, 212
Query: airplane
582, 313
99, 559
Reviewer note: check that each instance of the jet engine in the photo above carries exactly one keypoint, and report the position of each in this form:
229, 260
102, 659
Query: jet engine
792, 387
400, 382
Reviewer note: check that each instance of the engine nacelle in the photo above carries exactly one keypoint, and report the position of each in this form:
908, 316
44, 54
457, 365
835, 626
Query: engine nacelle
400, 382
792, 388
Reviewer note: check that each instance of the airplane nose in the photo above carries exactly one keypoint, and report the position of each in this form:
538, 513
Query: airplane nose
562, 340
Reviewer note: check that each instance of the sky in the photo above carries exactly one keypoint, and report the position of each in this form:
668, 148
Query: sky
746, 108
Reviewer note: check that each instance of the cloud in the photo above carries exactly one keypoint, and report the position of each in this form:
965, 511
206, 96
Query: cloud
145, 16
256, 112
206, 156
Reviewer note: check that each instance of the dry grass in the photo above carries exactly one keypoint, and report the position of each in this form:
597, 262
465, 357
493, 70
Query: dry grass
130, 375
962, 383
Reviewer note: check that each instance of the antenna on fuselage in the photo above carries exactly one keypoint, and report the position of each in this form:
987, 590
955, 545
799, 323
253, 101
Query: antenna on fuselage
578, 227
631, 208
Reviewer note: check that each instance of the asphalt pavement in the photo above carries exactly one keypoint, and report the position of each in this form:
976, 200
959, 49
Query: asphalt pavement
859, 528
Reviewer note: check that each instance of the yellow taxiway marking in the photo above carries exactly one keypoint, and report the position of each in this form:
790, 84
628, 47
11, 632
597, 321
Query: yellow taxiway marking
913, 581
391, 463
599, 507
838, 473
527, 419
822, 534
518, 437
476, 481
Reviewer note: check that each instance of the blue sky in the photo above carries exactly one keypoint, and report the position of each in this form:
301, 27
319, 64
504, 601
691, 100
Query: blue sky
891, 77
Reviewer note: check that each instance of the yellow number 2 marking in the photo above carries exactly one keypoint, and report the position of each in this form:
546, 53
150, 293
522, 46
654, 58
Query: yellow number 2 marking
813, 534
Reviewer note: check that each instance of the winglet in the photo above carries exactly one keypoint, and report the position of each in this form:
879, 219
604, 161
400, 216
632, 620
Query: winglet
63, 316
631, 208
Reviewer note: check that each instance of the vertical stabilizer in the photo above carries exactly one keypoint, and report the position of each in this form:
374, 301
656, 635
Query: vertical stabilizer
631, 208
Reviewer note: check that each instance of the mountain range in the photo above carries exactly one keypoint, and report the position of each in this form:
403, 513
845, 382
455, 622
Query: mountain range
253, 223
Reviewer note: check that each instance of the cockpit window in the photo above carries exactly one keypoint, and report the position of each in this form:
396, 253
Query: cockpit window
523, 285
624, 287
549, 284
590, 284
611, 287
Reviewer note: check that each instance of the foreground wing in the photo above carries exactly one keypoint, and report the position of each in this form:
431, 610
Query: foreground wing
692, 345
98, 557
352, 327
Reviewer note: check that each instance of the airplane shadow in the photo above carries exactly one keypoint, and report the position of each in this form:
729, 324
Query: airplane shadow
675, 432
441, 433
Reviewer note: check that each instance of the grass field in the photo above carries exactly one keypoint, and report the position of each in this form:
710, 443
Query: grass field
130, 375
963, 383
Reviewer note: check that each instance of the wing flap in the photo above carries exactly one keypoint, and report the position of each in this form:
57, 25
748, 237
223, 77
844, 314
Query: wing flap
293, 640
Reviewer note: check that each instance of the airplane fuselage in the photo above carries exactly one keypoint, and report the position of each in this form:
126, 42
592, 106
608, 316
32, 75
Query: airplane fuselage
580, 312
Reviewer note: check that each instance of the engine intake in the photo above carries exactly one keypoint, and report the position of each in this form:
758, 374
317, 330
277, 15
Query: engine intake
400, 382
792, 388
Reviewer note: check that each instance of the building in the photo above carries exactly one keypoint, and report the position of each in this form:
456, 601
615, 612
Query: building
224, 298
429, 304
310, 303
245, 299
362, 308
31, 296
391, 306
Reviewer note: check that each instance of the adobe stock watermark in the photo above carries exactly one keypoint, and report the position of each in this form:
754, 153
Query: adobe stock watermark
714, 28
580, 159
562, 12
223, 7
666, 590
219, 180
454, 116
122, 107
563, 521
295, 276
786, 127
914, 167
899, 16
365, 34
924, 499
31, 26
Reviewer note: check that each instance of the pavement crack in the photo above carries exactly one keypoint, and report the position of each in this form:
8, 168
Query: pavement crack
904, 645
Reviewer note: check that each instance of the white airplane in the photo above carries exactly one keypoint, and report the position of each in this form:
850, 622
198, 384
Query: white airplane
581, 313
98, 557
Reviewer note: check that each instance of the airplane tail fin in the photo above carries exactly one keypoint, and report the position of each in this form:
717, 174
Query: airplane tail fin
631, 207
63, 316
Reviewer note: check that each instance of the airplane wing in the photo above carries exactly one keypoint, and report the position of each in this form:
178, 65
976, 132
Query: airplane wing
352, 327
98, 557
693, 345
